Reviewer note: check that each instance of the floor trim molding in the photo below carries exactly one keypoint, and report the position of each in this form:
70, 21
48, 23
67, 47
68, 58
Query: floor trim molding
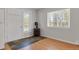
75, 43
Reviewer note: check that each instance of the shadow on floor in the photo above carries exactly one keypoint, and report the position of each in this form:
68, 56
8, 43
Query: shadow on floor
23, 42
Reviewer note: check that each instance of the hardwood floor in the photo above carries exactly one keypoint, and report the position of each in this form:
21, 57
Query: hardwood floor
50, 44
17, 44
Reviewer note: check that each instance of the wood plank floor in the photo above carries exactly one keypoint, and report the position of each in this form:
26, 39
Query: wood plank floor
50, 44
17, 44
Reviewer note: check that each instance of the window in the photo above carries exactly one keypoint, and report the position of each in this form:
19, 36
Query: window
59, 19
26, 22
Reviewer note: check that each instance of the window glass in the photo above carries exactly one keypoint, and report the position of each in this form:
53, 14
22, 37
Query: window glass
59, 18
26, 22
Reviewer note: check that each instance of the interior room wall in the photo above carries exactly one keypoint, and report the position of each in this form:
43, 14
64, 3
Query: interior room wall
70, 35
1, 28
14, 23
11, 24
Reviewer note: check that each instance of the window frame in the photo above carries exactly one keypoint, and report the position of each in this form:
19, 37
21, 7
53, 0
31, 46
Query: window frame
26, 14
50, 17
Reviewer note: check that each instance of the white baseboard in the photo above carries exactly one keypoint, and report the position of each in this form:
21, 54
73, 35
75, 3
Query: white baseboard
76, 43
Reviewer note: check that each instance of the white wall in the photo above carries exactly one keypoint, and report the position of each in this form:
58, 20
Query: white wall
11, 24
14, 23
69, 35
13, 19
1, 28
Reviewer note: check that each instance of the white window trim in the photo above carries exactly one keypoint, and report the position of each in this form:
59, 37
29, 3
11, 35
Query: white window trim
48, 14
29, 23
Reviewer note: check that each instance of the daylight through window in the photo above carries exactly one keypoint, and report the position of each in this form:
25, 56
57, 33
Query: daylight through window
59, 18
26, 22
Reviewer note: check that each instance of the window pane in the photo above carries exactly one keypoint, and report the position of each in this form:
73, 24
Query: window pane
26, 22
59, 18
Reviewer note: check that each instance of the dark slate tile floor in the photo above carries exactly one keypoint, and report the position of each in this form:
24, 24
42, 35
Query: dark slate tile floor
23, 42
